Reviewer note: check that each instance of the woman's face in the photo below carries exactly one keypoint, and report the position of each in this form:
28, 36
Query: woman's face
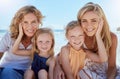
30, 24
89, 23
44, 42
75, 37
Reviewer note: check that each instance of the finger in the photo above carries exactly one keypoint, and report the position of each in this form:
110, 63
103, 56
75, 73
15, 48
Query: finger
20, 29
62, 76
59, 77
20, 26
101, 22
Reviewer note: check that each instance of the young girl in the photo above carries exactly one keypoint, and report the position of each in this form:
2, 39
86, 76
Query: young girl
42, 55
72, 57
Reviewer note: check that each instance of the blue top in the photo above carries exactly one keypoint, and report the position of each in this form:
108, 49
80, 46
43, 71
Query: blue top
39, 63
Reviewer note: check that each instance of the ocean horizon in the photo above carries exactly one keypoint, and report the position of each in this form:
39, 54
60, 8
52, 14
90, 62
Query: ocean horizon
60, 40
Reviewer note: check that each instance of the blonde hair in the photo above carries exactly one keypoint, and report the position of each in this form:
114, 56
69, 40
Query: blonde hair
42, 31
14, 26
105, 34
71, 25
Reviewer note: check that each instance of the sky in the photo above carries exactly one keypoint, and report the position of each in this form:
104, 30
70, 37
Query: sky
58, 12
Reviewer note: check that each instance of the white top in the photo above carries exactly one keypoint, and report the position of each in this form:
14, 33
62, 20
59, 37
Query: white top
10, 60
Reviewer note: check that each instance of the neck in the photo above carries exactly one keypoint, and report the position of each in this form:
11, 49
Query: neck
90, 42
26, 41
43, 54
76, 48
89, 38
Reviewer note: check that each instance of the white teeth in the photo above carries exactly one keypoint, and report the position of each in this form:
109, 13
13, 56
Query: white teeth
30, 31
89, 30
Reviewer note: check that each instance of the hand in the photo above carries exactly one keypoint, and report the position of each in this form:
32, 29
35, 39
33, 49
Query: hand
58, 72
20, 30
60, 75
100, 26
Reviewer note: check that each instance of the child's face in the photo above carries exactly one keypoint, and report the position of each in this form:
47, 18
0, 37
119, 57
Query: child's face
76, 37
44, 42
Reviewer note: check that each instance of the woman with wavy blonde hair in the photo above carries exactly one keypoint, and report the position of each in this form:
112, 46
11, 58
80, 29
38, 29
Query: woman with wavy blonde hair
19, 17
22, 29
89, 17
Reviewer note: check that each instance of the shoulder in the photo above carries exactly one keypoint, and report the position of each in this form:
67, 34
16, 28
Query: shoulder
65, 49
114, 42
51, 61
113, 37
7, 35
6, 39
64, 53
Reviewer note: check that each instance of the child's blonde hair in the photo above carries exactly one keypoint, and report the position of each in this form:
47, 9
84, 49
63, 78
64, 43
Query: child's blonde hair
71, 25
42, 31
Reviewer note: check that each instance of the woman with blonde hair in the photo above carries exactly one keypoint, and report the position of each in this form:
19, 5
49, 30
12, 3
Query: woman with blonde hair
23, 26
89, 16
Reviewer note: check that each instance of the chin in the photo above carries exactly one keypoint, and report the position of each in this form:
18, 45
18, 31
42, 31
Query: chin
77, 48
90, 34
30, 35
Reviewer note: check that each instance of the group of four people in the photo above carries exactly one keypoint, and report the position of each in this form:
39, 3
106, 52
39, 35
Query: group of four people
29, 50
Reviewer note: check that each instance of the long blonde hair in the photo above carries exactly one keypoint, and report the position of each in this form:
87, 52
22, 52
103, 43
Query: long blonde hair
14, 29
105, 34
42, 31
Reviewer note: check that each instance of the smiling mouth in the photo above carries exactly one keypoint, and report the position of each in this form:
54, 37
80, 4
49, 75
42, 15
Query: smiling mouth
44, 48
30, 31
90, 30
77, 43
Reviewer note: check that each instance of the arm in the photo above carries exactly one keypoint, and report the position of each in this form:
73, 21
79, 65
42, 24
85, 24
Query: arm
58, 72
111, 72
15, 49
101, 55
51, 63
4, 43
101, 47
65, 63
